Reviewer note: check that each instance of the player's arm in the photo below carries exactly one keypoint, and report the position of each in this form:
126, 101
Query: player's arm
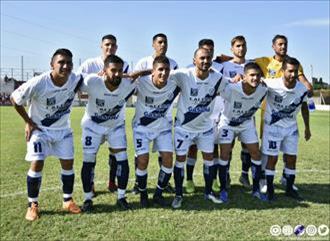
136, 74
222, 58
30, 126
306, 83
305, 116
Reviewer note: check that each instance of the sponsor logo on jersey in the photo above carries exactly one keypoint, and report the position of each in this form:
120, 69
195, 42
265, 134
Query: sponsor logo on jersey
51, 101
237, 105
278, 99
193, 92
272, 72
149, 100
99, 102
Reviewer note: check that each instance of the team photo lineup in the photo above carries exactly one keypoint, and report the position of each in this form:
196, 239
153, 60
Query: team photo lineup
215, 100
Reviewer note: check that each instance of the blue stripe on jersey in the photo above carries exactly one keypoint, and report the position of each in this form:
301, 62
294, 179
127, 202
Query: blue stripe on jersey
247, 115
111, 114
63, 110
158, 113
287, 111
200, 108
126, 70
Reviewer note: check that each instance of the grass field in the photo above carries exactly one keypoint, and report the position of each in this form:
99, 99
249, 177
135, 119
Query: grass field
243, 218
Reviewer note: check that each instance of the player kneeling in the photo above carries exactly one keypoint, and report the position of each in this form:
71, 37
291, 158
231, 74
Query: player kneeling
286, 96
155, 95
242, 100
104, 120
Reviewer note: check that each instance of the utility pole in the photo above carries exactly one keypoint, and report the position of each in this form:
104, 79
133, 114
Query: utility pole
312, 73
22, 69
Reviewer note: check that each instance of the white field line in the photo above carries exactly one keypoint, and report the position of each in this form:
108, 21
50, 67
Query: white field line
149, 178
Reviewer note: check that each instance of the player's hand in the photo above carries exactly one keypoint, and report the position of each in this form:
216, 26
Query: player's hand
100, 73
307, 134
29, 128
237, 78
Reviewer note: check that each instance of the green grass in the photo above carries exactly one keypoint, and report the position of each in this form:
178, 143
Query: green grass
243, 218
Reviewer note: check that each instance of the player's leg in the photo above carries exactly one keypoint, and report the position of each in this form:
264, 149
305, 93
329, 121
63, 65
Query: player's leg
246, 164
182, 142
141, 144
216, 168
290, 149
90, 142
112, 187
117, 141
226, 137
165, 147
36, 154
191, 162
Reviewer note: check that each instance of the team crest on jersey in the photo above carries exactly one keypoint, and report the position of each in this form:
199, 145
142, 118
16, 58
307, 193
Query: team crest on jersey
232, 74
237, 105
149, 100
278, 99
193, 92
99, 102
51, 101
272, 72
211, 91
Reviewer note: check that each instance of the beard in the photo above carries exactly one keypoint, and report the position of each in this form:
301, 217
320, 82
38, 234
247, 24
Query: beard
116, 81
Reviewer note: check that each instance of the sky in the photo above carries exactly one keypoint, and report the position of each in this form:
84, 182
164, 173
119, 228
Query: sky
35, 29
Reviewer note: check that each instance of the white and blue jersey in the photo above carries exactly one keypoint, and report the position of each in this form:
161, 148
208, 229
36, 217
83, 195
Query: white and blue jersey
49, 105
154, 104
95, 65
239, 108
197, 98
231, 69
105, 107
146, 63
283, 104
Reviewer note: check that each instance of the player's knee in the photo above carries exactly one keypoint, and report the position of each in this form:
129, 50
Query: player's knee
89, 157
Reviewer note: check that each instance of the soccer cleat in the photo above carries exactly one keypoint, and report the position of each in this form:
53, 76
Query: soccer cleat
244, 180
32, 212
123, 204
169, 188
144, 202
260, 196
71, 207
294, 194
135, 189
177, 202
87, 206
212, 198
224, 196
215, 186
190, 186
283, 182
159, 200
263, 186
112, 187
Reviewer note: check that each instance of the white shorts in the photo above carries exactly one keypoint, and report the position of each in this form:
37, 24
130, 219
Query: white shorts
183, 140
94, 135
247, 134
276, 139
47, 142
142, 138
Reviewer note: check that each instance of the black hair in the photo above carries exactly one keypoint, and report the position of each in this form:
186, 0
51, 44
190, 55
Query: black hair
109, 36
160, 35
289, 60
205, 41
161, 60
278, 36
113, 59
64, 52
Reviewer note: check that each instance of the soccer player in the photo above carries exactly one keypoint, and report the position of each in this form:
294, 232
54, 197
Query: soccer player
199, 87
286, 96
104, 120
231, 69
96, 65
242, 100
155, 95
272, 69
215, 116
47, 130
160, 45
